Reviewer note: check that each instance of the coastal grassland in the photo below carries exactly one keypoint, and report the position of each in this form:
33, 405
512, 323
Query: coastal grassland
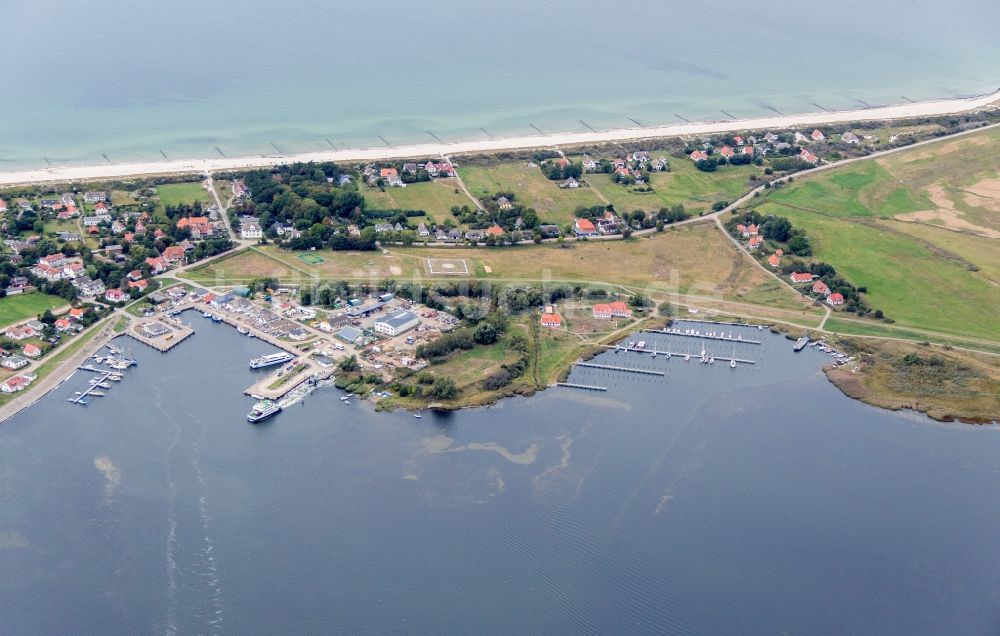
434, 197
868, 220
942, 382
243, 266
696, 260
892, 331
531, 188
123, 197
181, 193
25, 306
684, 184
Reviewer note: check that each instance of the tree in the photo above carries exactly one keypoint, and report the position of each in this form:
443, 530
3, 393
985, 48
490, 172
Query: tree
444, 388
348, 364
799, 245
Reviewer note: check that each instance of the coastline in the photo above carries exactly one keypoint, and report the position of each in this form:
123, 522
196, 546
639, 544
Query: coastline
928, 108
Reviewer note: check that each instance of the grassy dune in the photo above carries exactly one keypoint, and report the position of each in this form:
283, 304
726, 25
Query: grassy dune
868, 220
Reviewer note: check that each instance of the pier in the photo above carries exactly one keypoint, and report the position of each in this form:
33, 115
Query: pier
161, 334
703, 336
586, 387
95, 386
609, 367
680, 354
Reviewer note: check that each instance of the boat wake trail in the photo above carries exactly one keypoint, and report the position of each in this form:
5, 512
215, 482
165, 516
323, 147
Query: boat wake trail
194, 591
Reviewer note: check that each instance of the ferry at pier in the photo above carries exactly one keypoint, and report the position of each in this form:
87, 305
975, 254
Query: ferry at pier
801, 343
263, 410
270, 360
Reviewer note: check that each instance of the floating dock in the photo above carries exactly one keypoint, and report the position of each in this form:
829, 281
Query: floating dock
586, 387
703, 336
609, 367
681, 354
95, 386
149, 333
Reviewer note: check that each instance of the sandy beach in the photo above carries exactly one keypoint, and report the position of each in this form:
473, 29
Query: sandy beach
776, 122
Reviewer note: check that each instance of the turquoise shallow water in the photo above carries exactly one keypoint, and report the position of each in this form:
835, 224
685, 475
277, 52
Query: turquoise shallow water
711, 500
132, 79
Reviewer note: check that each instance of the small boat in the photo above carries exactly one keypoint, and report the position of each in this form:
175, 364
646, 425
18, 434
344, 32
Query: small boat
216, 318
241, 329
345, 398
732, 364
206, 314
417, 415
97, 394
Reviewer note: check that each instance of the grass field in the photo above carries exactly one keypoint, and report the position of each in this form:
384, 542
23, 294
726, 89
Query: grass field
531, 188
24, 306
939, 272
685, 184
178, 193
696, 260
434, 197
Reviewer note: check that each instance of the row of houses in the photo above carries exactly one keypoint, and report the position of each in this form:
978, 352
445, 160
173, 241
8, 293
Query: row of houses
604, 225
818, 288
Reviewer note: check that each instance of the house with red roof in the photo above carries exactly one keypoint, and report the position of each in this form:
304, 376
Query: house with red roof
727, 152
698, 155
584, 227
141, 285
140, 227
63, 324
755, 242
738, 140
805, 155
16, 383
31, 350
801, 278
135, 274
159, 233
76, 313
617, 309
819, 287
748, 150
92, 229
494, 230
3, 205
774, 260
115, 296
174, 253
19, 332
835, 299
817, 135
551, 320
157, 264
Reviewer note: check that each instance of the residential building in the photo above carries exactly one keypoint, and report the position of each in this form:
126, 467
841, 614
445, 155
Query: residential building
14, 363
819, 287
616, 309
584, 227
699, 155
31, 350
552, 320
95, 197
850, 138
250, 228
835, 299
817, 135
801, 278
17, 383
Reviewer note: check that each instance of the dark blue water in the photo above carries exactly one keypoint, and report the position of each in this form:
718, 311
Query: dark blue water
130, 79
711, 500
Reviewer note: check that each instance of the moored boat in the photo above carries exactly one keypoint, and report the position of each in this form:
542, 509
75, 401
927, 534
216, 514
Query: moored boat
263, 410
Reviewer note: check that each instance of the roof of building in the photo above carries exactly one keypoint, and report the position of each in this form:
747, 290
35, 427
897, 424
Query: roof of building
398, 319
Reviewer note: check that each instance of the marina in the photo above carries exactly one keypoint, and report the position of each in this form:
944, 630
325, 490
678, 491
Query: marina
103, 378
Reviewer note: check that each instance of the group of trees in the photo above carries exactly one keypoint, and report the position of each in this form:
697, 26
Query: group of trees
562, 169
774, 228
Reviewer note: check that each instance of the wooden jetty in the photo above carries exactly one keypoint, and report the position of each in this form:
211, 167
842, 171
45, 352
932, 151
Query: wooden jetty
95, 387
703, 336
681, 354
610, 367
587, 387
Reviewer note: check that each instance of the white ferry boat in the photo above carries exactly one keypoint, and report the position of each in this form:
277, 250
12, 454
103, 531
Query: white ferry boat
270, 360
263, 410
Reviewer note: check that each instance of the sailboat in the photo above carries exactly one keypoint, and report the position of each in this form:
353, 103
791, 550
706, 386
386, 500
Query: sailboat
654, 349
732, 362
